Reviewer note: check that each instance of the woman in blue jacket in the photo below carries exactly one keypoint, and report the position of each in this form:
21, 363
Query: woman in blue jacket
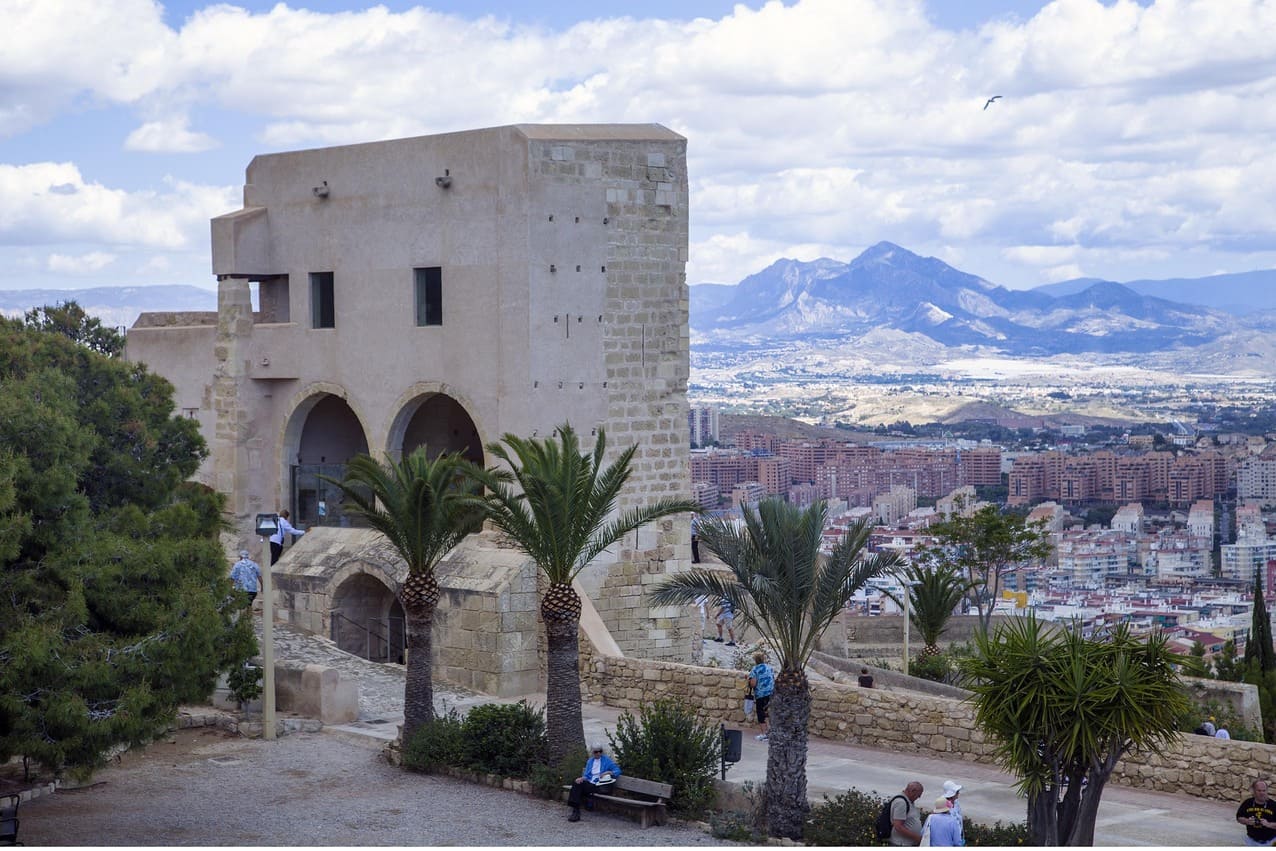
600, 770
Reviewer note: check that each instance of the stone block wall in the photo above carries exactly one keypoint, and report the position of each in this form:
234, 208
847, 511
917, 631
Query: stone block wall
915, 723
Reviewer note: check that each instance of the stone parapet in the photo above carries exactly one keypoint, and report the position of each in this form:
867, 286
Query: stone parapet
914, 723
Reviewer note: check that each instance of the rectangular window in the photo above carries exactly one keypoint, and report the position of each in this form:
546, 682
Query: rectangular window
322, 308
429, 295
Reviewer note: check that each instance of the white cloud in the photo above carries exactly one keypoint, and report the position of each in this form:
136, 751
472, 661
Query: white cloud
168, 136
817, 123
48, 203
94, 261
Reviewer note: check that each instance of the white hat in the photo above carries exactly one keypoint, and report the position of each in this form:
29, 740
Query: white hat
943, 805
951, 788
243, 553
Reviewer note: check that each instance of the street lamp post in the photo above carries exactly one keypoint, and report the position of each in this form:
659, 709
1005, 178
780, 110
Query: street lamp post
267, 525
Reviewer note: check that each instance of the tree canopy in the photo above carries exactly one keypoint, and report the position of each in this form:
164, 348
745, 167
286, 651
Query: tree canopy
115, 604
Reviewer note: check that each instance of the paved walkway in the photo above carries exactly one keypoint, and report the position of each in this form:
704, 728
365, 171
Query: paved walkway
1126, 816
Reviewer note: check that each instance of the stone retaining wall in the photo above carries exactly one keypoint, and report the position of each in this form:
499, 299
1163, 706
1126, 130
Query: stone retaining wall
914, 723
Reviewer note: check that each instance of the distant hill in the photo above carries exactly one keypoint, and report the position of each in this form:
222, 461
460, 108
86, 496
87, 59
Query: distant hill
115, 306
890, 288
1240, 293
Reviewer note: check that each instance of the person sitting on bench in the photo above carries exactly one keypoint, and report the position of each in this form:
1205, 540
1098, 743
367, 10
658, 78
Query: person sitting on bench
600, 771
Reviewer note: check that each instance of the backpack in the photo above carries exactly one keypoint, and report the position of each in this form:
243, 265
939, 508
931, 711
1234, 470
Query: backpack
883, 826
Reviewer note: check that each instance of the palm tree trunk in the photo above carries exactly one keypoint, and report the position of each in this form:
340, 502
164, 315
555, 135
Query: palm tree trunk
418, 690
564, 728
786, 803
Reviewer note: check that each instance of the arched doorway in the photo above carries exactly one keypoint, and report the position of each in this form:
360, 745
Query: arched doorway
438, 422
325, 433
367, 619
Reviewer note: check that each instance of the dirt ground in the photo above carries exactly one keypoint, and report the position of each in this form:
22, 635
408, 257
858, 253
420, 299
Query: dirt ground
207, 787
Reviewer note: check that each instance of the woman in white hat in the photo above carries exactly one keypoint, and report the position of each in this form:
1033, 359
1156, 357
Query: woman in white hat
942, 827
951, 791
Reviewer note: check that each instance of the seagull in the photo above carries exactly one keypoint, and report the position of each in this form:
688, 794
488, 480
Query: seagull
990, 100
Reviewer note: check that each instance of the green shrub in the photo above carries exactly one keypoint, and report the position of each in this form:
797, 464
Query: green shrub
548, 780
847, 819
436, 744
669, 743
937, 669
504, 738
735, 827
996, 834
244, 682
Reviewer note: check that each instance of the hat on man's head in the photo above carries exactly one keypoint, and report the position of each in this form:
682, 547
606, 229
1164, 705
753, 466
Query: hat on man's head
243, 553
951, 788
942, 805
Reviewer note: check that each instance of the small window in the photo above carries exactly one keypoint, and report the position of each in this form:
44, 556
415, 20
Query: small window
429, 295
322, 307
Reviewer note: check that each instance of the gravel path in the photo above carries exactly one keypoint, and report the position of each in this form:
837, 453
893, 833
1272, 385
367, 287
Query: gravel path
205, 787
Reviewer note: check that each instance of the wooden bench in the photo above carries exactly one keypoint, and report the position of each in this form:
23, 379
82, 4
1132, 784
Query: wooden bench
644, 798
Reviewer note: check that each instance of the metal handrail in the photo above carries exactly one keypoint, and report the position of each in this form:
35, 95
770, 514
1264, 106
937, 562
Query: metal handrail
368, 635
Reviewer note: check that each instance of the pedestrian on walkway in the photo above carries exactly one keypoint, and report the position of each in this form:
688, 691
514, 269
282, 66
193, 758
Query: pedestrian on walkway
942, 826
951, 791
695, 539
866, 679
600, 771
726, 618
277, 539
245, 575
762, 684
702, 603
1258, 815
906, 818
1222, 733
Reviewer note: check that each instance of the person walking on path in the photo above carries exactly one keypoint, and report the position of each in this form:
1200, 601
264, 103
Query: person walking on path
942, 826
245, 575
762, 684
951, 791
866, 679
1258, 815
695, 539
600, 771
906, 819
277, 539
726, 617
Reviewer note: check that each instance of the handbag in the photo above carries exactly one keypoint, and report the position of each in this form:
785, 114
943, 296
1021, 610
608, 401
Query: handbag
749, 706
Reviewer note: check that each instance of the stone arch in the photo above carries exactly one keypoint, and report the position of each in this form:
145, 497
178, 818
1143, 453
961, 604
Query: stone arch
434, 414
366, 617
321, 432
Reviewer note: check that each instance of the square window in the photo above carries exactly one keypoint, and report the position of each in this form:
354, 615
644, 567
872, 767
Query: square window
322, 306
429, 295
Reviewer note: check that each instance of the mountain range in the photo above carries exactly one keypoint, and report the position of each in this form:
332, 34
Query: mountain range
922, 299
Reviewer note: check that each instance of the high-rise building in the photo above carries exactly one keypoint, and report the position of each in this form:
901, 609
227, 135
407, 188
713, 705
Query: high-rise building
702, 422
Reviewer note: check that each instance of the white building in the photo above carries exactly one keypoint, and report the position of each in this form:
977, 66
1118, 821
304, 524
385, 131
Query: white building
702, 422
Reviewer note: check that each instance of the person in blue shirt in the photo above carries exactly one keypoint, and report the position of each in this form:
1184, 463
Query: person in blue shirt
762, 684
726, 617
599, 771
944, 827
245, 575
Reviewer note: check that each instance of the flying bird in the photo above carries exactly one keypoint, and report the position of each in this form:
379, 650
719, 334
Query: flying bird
988, 103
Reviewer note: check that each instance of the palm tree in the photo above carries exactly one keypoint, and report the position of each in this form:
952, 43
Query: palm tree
933, 594
780, 584
424, 508
559, 506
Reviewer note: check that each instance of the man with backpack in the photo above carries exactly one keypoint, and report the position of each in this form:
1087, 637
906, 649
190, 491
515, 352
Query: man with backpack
901, 817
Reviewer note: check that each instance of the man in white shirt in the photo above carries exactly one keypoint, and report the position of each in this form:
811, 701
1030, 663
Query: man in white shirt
277, 539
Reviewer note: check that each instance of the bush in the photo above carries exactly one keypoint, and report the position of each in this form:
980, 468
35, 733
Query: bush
847, 819
669, 743
504, 738
743, 826
548, 780
244, 683
937, 669
996, 834
436, 744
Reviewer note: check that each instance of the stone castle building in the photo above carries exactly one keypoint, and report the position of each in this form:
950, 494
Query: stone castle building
442, 290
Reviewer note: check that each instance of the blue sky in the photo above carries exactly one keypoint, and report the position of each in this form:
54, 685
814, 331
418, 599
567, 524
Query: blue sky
1133, 140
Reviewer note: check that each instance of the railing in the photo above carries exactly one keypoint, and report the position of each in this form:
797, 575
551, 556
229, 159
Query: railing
379, 642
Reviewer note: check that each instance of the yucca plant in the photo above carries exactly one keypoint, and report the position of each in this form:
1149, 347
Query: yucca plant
558, 504
425, 507
780, 583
